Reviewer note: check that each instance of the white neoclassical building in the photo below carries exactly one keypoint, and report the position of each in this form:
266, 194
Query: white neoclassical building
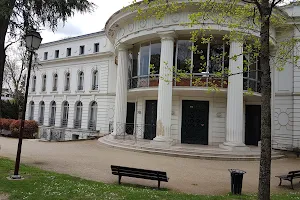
102, 83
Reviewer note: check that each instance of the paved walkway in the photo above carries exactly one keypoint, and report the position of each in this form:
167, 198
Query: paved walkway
92, 160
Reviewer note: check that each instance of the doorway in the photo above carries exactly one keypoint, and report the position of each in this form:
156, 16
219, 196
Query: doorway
150, 119
194, 127
253, 125
130, 118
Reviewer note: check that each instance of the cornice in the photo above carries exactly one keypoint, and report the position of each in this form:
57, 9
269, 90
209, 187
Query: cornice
74, 58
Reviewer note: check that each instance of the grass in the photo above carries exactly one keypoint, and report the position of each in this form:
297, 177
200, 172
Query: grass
39, 184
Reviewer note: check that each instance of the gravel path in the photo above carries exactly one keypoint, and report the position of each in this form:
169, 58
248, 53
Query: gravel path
92, 160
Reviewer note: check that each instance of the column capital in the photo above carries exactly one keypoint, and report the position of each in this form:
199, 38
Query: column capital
167, 35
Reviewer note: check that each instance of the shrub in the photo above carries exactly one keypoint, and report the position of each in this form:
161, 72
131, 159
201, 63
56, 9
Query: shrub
30, 128
5, 123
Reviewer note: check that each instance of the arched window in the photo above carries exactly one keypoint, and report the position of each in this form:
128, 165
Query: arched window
78, 115
44, 82
93, 116
31, 110
33, 83
95, 80
52, 113
67, 82
42, 113
80, 80
55, 79
65, 114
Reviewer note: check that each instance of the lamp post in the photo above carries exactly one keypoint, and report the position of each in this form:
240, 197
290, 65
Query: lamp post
33, 40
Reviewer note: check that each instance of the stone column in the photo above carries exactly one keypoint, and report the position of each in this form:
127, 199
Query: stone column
164, 103
234, 118
121, 91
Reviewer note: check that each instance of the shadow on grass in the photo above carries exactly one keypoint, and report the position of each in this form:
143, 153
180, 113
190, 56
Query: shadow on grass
130, 185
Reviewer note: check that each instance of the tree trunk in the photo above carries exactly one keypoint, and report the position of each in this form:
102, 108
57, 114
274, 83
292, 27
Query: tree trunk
3, 29
265, 160
4, 22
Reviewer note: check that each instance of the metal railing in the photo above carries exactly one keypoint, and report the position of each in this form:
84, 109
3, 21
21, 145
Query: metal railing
94, 87
54, 88
43, 89
92, 125
146, 131
253, 84
51, 121
41, 120
67, 88
64, 122
80, 87
77, 123
53, 134
192, 80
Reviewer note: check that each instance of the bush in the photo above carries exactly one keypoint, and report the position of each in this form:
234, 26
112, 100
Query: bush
5, 123
30, 128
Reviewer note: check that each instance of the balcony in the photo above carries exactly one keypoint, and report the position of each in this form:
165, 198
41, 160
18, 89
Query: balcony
51, 121
94, 87
80, 87
41, 120
192, 80
77, 123
92, 125
64, 122
67, 88
54, 89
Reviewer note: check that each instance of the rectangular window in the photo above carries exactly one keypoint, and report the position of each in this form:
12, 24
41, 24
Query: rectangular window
144, 59
45, 55
56, 53
81, 50
69, 52
96, 47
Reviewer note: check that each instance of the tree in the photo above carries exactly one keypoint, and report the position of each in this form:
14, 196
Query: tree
14, 76
241, 17
18, 16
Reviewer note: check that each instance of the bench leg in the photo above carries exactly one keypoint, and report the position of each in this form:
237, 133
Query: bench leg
120, 179
280, 182
158, 185
292, 183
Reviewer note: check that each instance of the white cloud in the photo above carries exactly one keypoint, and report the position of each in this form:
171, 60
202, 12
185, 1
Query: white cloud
88, 22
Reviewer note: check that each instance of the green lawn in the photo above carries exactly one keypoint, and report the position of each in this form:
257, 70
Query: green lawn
42, 185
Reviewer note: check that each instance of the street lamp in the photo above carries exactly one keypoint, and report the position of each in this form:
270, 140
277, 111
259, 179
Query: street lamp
32, 40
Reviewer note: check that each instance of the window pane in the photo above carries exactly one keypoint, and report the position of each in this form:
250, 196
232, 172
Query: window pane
200, 58
184, 55
144, 63
216, 56
155, 57
135, 56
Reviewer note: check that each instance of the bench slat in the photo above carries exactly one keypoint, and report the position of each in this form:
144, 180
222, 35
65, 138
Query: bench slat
165, 179
116, 168
141, 172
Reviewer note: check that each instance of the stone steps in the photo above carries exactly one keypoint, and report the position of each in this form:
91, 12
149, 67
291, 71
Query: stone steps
208, 154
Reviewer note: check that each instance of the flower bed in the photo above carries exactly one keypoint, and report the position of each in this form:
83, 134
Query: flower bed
11, 127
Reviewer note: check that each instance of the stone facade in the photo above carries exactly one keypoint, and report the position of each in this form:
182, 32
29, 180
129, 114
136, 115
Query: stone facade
96, 76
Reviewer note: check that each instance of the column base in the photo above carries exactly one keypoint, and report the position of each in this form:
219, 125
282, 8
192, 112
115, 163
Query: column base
124, 136
162, 141
231, 146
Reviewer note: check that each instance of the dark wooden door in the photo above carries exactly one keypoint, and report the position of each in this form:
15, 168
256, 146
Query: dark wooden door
253, 123
150, 119
194, 127
130, 118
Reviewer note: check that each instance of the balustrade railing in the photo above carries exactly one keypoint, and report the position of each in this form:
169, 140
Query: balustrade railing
192, 80
92, 125
77, 123
51, 121
64, 122
94, 87
41, 120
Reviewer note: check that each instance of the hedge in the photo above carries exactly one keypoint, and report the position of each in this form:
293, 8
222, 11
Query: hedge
12, 125
30, 128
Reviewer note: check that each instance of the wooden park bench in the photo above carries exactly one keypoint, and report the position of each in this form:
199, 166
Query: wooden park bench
139, 173
289, 177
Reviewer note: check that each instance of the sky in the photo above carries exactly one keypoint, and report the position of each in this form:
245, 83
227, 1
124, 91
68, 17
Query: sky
81, 24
